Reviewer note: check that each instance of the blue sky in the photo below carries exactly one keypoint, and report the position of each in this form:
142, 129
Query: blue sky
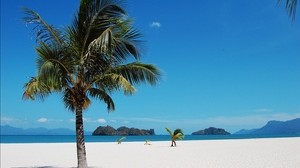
230, 64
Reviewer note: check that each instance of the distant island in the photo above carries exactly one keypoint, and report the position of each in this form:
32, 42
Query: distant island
272, 127
9, 130
275, 127
123, 131
211, 131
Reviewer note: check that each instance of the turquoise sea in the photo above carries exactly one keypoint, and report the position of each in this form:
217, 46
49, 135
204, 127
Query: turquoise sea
90, 138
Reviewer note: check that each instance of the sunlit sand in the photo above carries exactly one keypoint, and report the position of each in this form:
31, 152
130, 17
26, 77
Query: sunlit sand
246, 153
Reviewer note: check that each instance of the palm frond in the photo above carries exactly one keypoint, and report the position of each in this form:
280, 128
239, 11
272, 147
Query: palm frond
100, 51
114, 45
35, 88
102, 44
69, 99
44, 31
169, 131
72, 100
86, 103
178, 136
93, 18
291, 6
120, 140
54, 66
102, 95
177, 131
127, 40
112, 82
137, 73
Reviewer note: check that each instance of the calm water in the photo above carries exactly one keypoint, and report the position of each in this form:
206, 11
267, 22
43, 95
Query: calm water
90, 138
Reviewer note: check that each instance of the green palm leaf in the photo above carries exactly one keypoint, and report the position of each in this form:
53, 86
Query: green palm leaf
127, 40
116, 82
93, 17
137, 73
54, 71
44, 31
35, 88
102, 95
291, 6
120, 140
178, 134
169, 131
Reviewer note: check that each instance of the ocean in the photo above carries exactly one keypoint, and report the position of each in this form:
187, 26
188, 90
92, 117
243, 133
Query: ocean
90, 138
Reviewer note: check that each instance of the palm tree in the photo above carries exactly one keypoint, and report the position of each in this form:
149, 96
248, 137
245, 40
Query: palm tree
291, 6
120, 140
88, 59
177, 134
147, 142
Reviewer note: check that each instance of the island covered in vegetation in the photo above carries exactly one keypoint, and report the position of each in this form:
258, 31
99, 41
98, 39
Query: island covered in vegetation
123, 131
211, 131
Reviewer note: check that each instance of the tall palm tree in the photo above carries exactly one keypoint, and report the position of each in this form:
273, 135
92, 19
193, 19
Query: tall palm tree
88, 59
177, 134
291, 6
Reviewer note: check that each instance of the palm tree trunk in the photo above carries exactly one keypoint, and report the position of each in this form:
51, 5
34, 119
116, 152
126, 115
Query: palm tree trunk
81, 153
173, 142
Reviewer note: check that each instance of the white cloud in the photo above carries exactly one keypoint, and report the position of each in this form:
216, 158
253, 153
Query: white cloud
86, 120
101, 120
11, 120
7, 120
155, 25
72, 120
263, 110
42, 120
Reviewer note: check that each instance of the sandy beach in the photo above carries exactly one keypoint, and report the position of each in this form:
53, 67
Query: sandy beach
246, 153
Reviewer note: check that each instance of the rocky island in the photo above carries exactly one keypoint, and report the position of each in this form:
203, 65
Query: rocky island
211, 131
122, 131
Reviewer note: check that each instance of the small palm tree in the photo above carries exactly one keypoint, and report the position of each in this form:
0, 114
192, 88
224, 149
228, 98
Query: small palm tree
120, 140
96, 55
176, 135
147, 142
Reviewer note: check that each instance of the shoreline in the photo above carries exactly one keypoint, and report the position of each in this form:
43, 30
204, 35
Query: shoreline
251, 153
7, 139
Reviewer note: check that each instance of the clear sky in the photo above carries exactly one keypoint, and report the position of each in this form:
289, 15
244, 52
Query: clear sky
229, 64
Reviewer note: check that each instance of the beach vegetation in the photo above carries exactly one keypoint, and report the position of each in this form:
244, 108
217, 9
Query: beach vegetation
147, 142
176, 135
120, 140
96, 55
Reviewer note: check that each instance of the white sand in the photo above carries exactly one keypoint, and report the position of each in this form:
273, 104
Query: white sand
248, 153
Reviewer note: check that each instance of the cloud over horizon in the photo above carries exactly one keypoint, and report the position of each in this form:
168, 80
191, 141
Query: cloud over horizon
234, 123
155, 25
263, 110
101, 120
42, 120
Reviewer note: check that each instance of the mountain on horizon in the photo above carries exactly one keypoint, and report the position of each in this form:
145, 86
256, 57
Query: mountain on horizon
9, 130
276, 127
